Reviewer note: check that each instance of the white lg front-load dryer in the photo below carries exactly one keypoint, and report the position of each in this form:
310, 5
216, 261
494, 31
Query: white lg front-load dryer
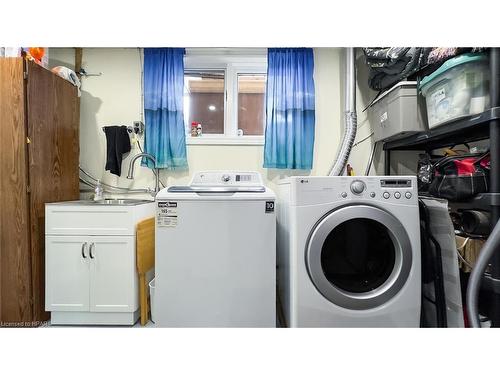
349, 251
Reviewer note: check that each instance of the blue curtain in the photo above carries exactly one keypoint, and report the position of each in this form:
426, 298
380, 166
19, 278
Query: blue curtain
289, 137
165, 137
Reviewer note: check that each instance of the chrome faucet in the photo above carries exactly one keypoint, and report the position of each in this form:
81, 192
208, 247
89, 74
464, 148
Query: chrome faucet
130, 174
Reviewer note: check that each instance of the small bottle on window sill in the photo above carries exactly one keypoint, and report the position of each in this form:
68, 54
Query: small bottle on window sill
199, 130
194, 129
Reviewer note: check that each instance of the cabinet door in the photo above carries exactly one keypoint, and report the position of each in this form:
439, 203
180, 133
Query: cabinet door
113, 276
53, 128
15, 257
67, 273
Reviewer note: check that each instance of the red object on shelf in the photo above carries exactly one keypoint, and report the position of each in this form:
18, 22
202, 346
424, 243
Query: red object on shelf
194, 127
37, 53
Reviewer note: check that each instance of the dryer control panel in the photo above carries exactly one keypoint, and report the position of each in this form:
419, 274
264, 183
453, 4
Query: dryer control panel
396, 183
312, 190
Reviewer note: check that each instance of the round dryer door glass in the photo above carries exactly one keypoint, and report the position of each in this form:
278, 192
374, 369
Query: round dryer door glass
358, 255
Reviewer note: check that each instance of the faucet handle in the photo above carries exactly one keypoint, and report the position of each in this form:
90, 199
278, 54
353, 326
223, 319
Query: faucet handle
152, 192
98, 191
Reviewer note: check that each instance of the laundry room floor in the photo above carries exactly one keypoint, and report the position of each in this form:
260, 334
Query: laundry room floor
149, 324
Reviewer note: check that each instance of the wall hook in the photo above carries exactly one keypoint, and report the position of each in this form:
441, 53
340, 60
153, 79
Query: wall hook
83, 72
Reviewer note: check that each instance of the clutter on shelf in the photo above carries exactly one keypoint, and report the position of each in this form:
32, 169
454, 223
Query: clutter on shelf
390, 65
455, 178
395, 113
459, 88
68, 75
469, 249
39, 55
196, 129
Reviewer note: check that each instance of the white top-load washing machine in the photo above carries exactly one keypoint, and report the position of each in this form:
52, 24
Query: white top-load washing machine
349, 251
215, 252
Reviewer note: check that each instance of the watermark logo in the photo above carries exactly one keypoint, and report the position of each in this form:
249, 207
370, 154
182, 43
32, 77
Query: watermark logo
36, 323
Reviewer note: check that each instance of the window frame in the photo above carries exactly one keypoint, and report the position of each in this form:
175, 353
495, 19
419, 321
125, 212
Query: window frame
232, 62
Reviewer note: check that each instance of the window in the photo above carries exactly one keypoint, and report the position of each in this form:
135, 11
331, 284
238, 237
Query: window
224, 92
251, 104
204, 100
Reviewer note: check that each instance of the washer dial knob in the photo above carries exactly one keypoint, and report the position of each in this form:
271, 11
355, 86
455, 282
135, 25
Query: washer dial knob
357, 187
226, 178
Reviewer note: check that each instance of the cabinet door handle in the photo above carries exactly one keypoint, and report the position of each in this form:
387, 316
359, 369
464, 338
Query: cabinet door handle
84, 245
92, 245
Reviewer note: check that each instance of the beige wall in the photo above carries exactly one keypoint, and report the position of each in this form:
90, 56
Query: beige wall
115, 99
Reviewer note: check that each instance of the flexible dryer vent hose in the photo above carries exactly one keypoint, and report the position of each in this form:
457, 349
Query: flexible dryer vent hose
350, 117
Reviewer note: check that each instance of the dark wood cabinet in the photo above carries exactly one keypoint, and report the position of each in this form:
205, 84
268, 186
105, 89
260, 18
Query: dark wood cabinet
39, 156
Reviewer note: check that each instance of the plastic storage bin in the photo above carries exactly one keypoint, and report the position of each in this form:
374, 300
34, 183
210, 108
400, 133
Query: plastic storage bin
152, 298
395, 113
459, 88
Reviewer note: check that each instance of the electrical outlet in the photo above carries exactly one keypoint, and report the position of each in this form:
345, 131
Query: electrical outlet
138, 127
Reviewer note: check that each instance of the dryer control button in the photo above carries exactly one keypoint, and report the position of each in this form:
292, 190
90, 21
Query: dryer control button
397, 195
386, 195
408, 195
372, 194
357, 187
344, 195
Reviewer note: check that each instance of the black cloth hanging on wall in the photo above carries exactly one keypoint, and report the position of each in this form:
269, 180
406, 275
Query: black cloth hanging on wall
117, 144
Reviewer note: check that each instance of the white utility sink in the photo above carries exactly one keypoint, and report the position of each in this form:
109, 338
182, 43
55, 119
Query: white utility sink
91, 272
109, 202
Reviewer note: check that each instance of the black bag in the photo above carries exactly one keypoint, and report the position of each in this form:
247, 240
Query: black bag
389, 65
458, 178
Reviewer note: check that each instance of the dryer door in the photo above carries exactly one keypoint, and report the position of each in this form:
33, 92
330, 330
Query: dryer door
359, 257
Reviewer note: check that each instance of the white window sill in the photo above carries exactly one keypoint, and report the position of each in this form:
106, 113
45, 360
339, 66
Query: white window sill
211, 140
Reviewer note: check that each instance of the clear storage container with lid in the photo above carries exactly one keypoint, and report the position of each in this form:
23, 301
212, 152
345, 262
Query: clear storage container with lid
459, 88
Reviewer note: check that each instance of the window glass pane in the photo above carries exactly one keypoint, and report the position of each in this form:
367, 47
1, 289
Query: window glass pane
204, 100
251, 104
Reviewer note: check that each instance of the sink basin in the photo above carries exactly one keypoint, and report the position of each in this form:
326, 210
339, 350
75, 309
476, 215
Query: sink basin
119, 202
107, 202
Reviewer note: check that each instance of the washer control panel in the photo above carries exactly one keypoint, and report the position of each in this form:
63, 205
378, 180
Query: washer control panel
226, 178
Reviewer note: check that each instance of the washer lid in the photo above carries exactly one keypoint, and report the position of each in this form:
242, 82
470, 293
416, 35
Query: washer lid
216, 189
220, 185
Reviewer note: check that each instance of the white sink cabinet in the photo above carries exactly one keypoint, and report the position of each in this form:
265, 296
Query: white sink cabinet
90, 268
